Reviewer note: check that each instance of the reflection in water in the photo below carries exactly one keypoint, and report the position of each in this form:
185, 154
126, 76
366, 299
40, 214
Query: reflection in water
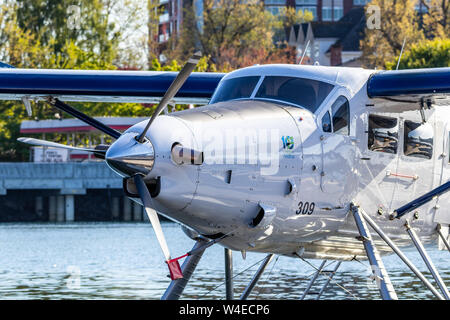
122, 261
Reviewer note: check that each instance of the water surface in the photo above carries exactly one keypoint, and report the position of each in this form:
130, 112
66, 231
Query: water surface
123, 261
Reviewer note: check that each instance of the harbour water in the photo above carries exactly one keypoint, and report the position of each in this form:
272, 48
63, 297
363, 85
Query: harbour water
123, 261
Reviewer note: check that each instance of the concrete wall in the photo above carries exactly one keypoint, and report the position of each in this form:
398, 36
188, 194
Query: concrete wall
63, 192
69, 177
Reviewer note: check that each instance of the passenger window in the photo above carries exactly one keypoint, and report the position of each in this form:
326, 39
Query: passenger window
383, 134
341, 116
326, 122
418, 140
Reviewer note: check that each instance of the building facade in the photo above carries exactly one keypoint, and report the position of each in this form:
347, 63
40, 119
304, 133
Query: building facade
322, 10
171, 15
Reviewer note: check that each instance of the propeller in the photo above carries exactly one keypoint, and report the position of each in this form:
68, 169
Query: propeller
99, 150
144, 194
173, 90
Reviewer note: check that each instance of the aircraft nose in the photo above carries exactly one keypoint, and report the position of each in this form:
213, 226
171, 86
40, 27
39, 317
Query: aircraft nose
128, 157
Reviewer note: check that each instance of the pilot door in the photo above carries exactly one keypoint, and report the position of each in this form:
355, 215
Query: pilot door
338, 153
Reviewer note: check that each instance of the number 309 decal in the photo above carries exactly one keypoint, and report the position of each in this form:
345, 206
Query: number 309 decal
305, 208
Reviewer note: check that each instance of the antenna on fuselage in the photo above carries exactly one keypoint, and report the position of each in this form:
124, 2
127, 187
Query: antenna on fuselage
304, 52
401, 53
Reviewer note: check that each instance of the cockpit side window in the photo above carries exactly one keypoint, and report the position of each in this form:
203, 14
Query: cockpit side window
341, 116
235, 88
418, 140
383, 134
303, 92
326, 122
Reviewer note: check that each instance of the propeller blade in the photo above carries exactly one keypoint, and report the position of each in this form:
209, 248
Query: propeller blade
83, 117
99, 150
174, 267
173, 89
44, 143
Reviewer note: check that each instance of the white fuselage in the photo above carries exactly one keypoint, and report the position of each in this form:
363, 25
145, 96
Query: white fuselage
264, 155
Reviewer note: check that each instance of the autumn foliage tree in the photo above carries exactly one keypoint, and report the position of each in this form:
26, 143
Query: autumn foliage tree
234, 34
400, 21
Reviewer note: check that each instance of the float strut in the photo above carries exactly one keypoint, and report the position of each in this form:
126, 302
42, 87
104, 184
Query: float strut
314, 278
176, 287
256, 277
400, 254
427, 260
330, 277
439, 231
384, 283
228, 274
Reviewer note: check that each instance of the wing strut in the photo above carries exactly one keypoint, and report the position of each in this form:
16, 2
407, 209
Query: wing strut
83, 117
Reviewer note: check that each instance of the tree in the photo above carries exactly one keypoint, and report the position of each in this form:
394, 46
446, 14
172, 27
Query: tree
398, 21
427, 54
24, 47
228, 28
86, 23
436, 19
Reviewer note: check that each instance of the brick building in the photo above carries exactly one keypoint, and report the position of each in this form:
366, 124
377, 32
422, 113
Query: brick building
325, 12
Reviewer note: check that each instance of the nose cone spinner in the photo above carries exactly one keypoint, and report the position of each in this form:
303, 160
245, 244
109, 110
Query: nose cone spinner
128, 157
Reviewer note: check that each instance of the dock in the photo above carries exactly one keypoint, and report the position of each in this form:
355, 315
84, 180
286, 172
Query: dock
64, 192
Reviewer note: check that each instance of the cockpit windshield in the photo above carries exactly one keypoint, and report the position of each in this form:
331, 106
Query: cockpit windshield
235, 88
306, 93
303, 92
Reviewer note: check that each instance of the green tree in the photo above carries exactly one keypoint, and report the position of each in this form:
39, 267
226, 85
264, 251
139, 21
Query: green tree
87, 23
427, 54
25, 47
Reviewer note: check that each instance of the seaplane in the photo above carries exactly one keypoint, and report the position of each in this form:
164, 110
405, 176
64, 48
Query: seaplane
304, 161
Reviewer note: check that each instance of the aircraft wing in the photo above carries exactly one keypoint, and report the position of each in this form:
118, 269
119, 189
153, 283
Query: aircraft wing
104, 86
403, 90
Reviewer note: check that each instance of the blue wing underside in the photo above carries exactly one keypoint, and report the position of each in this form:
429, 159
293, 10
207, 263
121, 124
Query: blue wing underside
403, 86
413, 86
104, 86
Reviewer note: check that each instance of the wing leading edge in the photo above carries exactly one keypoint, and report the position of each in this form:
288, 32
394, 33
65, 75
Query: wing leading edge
104, 86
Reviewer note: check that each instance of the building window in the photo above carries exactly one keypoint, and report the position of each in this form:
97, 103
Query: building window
418, 140
341, 116
360, 2
275, 2
275, 10
332, 10
305, 2
383, 134
274, 6
338, 13
326, 14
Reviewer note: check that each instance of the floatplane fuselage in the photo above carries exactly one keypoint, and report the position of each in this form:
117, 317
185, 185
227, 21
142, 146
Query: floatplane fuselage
286, 150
